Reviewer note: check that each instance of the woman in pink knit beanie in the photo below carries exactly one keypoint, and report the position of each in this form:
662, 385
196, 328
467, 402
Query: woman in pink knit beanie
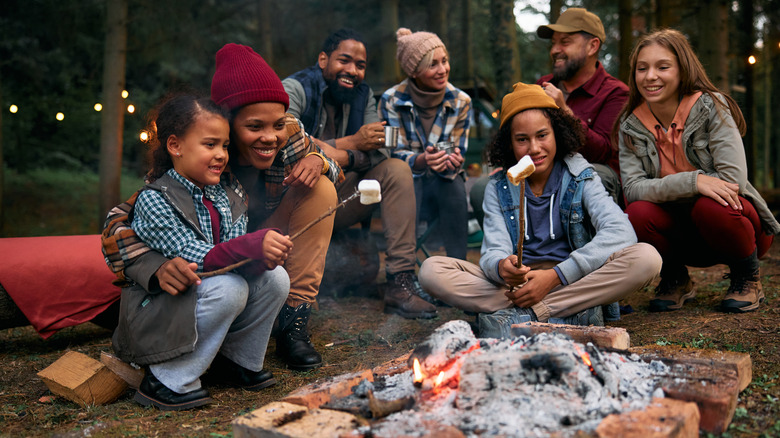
433, 118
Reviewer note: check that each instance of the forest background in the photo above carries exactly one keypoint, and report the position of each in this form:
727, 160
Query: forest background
64, 57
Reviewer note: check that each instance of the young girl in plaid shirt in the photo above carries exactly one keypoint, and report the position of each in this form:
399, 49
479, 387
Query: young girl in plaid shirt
194, 211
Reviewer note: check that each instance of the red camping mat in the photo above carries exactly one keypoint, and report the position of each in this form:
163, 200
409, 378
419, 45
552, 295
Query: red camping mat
57, 281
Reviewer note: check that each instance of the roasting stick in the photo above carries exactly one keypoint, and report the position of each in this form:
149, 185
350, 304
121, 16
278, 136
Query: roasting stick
369, 192
517, 175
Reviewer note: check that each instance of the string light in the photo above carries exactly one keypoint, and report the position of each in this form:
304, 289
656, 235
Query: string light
98, 107
144, 136
125, 94
751, 59
131, 109
60, 116
14, 109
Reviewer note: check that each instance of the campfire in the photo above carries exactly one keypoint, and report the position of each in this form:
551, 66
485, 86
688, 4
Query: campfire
528, 386
531, 385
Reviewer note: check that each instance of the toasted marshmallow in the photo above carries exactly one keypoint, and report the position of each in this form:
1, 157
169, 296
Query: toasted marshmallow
522, 170
369, 191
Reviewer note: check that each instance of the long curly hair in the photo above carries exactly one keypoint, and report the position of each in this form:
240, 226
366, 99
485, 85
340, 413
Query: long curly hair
175, 115
569, 137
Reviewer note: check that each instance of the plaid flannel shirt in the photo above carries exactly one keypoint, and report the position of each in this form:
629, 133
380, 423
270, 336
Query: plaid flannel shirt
451, 124
164, 229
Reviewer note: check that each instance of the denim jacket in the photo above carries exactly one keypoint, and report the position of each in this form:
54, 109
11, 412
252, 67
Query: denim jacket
594, 225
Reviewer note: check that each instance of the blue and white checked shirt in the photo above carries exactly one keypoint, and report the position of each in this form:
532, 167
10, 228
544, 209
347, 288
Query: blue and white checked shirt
451, 124
164, 228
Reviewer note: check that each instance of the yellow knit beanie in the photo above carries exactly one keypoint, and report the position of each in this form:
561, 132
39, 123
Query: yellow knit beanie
523, 97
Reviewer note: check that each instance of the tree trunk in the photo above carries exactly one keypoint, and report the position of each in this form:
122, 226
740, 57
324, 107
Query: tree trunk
2, 160
626, 43
555, 10
468, 36
265, 30
746, 43
112, 116
714, 40
389, 72
505, 53
437, 13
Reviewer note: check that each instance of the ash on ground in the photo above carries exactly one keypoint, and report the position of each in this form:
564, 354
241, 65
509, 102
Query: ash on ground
527, 387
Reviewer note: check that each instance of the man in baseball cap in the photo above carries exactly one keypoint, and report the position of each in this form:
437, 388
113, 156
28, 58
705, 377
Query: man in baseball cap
580, 85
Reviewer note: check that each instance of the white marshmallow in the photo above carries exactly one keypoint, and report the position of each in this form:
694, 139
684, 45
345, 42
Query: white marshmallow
523, 169
369, 191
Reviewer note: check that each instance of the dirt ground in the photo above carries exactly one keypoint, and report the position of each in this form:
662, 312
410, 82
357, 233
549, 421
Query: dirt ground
353, 334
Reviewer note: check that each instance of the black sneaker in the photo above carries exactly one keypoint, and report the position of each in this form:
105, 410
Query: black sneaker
226, 372
151, 392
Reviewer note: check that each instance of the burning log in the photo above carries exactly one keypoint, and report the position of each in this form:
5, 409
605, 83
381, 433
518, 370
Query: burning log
544, 385
613, 338
445, 345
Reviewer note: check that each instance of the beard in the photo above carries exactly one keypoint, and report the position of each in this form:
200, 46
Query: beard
569, 68
342, 94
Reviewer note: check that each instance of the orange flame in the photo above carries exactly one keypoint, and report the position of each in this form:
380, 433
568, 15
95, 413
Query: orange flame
586, 359
418, 376
439, 379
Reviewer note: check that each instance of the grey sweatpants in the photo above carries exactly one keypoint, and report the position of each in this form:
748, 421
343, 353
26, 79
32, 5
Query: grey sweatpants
463, 285
234, 317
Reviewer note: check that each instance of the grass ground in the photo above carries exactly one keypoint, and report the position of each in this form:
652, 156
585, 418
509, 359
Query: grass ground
362, 337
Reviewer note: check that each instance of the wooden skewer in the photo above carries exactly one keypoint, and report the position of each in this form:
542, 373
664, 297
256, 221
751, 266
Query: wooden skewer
521, 223
330, 211
521, 229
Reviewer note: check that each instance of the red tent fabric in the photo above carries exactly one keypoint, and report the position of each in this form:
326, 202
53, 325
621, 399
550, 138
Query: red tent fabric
57, 281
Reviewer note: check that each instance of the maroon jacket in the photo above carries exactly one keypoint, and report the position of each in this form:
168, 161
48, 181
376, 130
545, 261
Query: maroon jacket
597, 104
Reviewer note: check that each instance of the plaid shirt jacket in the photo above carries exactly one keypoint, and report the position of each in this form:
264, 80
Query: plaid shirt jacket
451, 124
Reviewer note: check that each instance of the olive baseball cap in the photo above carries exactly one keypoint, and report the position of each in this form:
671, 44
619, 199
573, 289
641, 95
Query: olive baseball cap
574, 20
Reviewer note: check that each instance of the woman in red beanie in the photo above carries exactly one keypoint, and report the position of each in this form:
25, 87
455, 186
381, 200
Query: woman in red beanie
289, 183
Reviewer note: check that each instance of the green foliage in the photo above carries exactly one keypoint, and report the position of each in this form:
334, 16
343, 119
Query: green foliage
49, 202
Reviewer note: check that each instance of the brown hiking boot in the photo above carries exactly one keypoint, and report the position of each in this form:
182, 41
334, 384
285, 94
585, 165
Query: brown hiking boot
743, 295
672, 294
401, 299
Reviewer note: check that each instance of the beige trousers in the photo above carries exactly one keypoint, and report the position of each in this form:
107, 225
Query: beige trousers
463, 284
306, 263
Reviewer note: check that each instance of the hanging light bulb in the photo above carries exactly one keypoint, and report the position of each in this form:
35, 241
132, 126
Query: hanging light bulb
125, 94
98, 107
131, 109
60, 116
13, 108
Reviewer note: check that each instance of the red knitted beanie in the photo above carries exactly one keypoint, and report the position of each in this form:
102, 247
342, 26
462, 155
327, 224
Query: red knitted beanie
242, 77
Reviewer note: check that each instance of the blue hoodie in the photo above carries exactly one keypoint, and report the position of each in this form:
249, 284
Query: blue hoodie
594, 225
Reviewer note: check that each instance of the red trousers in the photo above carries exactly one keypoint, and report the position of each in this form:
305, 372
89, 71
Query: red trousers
700, 232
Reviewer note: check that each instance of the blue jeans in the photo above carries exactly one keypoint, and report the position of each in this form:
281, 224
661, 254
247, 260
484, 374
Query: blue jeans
234, 317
